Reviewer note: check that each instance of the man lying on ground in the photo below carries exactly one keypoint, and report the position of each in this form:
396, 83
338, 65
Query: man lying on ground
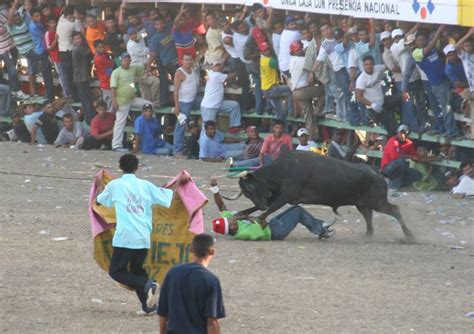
242, 227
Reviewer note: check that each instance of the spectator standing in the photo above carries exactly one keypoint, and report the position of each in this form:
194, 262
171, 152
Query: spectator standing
163, 52
102, 128
213, 101
273, 143
372, 101
104, 66
7, 53
303, 90
149, 83
215, 50
38, 59
200, 314
114, 39
64, 30
430, 61
5, 100
183, 37
369, 43
276, 36
186, 85
95, 31
51, 42
454, 70
81, 57
122, 82
289, 35
239, 65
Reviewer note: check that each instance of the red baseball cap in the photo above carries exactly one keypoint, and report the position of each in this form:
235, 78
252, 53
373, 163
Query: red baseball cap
296, 47
220, 225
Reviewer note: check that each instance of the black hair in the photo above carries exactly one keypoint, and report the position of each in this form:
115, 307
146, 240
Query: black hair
368, 57
209, 124
159, 18
109, 17
202, 245
236, 24
101, 103
464, 164
52, 18
76, 33
81, 10
35, 10
278, 122
128, 163
98, 42
45, 103
92, 16
68, 115
68, 10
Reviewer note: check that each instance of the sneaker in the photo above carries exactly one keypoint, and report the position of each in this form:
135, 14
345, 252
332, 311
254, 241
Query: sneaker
148, 310
120, 149
79, 143
235, 130
229, 162
22, 96
151, 290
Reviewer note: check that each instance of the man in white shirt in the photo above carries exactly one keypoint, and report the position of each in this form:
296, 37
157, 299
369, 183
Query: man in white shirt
303, 90
239, 65
149, 83
213, 100
371, 98
341, 76
215, 50
289, 35
465, 187
305, 144
64, 31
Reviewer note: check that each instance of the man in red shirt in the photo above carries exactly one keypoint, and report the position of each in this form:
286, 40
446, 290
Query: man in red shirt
398, 149
102, 128
104, 66
273, 143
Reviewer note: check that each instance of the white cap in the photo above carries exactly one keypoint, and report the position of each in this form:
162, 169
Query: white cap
397, 32
384, 35
449, 48
302, 131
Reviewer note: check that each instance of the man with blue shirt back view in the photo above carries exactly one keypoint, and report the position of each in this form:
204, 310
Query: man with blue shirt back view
132, 199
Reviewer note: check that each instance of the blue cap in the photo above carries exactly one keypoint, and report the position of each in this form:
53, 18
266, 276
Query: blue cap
125, 55
289, 19
131, 29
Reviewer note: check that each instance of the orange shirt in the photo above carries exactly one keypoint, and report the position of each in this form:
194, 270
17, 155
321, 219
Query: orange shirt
94, 34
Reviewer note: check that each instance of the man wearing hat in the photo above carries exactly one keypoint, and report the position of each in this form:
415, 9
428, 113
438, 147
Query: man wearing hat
242, 227
397, 150
305, 144
122, 83
304, 90
455, 71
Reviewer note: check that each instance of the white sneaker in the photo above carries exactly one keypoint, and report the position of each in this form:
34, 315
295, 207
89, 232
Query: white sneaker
20, 95
79, 143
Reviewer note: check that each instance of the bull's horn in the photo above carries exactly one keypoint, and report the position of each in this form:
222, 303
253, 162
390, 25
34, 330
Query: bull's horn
232, 198
241, 174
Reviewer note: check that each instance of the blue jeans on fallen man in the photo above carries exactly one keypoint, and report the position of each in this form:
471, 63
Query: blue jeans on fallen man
286, 222
400, 174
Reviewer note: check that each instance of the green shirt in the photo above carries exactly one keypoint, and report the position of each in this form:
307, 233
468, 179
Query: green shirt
123, 80
249, 230
428, 182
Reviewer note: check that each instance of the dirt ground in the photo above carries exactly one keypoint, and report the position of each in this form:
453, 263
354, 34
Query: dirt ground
349, 283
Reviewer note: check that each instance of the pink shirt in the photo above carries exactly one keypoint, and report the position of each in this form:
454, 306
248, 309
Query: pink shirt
272, 146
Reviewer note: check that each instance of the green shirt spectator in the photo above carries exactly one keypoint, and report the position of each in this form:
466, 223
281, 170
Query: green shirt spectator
124, 81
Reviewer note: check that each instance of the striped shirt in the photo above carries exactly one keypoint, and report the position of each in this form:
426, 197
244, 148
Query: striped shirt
252, 148
6, 41
22, 37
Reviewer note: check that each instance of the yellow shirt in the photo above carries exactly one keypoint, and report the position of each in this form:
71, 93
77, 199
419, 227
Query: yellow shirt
268, 72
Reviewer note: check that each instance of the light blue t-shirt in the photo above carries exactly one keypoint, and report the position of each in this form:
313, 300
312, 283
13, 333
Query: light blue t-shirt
30, 120
211, 147
363, 49
132, 199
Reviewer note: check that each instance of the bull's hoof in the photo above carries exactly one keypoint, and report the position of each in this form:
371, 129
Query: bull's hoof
409, 236
369, 234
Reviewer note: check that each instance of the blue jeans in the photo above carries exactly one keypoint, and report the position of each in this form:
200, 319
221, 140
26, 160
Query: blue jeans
40, 63
167, 149
229, 107
400, 174
286, 221
5, 100
342, 97
84, 92
185, 108
259, 100
65, 72
234, 150
408, 111
445, 119
275, 95
255, 162
164, 84
9, 62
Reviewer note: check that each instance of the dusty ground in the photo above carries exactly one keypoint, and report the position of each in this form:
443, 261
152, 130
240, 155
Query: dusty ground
346, 284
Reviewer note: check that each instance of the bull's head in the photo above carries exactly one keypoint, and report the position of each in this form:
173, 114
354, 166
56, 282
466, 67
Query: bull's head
255, 189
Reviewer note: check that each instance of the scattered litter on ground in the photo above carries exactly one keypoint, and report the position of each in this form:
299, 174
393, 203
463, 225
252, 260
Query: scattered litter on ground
463, 242
60, 239
96, 300
430, 198
146, 168
59, 207
232, 261
305, 278
300, 247
470, 315
27, 180
447, 221
456, 247
43, 232
447, 234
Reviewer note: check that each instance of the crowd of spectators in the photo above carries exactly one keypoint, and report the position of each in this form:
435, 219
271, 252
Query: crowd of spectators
364, 72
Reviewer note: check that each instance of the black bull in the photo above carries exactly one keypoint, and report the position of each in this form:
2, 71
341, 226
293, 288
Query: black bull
306, 178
